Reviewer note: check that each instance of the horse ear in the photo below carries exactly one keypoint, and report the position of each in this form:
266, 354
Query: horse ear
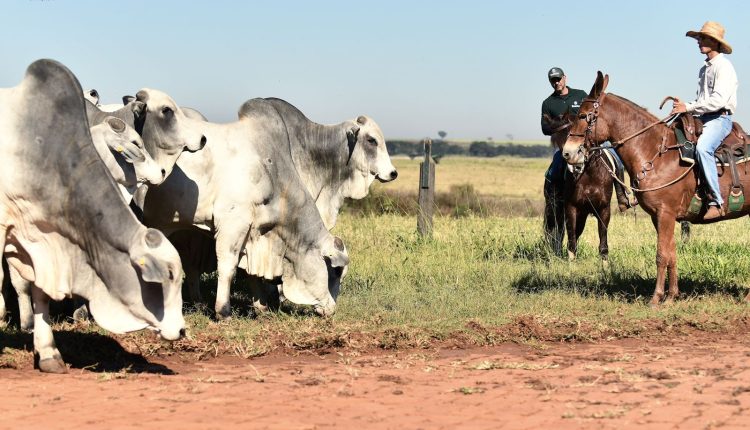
599, 85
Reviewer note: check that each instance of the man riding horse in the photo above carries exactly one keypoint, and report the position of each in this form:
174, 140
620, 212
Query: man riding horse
564, 101
715, 103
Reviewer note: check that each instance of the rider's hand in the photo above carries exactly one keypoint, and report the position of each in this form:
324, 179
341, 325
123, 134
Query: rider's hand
678, 107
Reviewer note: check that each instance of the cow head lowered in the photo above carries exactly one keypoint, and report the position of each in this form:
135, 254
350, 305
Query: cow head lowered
65, 229
369, 154
165, 128
314, 278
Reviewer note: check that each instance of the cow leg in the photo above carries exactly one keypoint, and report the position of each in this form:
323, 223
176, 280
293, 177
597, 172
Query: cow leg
229, 244
265, 295
666, 261
48, 357
193, 283
603, 219
23, 290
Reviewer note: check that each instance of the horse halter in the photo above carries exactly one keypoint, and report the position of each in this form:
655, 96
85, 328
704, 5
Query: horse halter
591, 118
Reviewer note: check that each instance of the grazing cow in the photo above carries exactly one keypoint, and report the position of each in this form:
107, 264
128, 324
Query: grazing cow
63, 226
333, 162
122, 151
246, 191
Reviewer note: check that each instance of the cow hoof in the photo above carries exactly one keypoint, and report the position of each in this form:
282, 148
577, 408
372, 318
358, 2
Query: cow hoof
605, 264
571, 256
223, 316
81, 314
52, 365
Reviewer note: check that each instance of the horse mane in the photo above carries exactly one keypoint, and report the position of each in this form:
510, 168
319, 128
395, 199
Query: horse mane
636, 107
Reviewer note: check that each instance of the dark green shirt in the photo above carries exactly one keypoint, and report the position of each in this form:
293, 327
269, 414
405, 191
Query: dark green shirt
556, 105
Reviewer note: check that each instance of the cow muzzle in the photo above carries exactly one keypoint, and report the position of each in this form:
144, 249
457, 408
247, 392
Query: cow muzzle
387, 177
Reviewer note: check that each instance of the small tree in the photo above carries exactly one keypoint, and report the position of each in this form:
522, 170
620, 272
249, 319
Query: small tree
442, 134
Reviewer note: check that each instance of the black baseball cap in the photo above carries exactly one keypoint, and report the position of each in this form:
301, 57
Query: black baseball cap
555, 73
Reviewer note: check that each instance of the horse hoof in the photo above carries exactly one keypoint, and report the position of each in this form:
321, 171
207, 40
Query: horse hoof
52, 365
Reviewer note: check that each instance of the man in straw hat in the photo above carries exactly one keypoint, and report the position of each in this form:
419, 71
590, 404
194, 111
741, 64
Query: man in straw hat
715, 104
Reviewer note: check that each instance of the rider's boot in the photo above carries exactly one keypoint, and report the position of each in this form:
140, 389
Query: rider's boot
623, 196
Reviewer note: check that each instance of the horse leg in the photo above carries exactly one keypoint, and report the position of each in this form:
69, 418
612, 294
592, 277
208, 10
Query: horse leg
571, 217
666, 261
603, 222
685, 231
554, 217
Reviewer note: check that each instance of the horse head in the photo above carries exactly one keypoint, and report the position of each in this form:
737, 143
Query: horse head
587, 130
560, 126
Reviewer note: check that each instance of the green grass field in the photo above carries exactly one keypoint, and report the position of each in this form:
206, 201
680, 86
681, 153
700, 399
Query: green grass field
483, 280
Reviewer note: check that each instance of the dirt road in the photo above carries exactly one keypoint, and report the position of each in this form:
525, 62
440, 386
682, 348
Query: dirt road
691, 382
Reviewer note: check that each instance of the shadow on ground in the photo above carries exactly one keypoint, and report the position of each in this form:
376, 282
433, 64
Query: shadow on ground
90, 351
628, 286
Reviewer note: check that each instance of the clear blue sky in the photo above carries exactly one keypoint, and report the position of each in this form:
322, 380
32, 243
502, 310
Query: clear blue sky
472, 68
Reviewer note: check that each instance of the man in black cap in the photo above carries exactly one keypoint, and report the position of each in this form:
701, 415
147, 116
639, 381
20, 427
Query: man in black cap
564, 100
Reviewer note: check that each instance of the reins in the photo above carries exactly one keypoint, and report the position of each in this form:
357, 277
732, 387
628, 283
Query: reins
591, 120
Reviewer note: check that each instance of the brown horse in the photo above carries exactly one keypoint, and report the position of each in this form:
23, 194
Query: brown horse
649, 150
587, 192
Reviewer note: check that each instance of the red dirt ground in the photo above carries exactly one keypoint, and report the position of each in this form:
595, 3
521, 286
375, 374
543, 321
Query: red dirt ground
695, 382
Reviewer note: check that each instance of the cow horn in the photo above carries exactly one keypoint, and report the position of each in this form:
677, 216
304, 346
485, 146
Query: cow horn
361, 120
153, 238
127, 99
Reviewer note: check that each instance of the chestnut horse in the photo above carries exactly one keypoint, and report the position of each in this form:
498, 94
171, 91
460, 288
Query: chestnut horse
649, 150
587, 191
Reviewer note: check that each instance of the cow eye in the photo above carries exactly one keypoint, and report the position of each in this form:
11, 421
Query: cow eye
166, 111
372, 141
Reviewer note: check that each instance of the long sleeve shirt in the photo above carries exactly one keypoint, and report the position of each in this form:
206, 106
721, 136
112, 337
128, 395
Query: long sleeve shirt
717, 87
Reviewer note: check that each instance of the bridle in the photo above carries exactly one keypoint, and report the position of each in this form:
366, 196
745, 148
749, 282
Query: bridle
588, 143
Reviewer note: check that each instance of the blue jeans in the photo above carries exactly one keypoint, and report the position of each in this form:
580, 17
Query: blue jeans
715, 129
612, 151
556, 171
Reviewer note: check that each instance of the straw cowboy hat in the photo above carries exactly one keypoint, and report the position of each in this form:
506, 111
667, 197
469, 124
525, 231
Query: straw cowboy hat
715, 31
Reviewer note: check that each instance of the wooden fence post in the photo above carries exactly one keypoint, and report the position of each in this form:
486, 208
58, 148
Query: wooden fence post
426, 191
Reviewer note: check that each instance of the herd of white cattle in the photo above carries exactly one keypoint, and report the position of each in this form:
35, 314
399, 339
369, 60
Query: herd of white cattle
91, 193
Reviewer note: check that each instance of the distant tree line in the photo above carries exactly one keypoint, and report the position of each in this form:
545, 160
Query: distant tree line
441, 148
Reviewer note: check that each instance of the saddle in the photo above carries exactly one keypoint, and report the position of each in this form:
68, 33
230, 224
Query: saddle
734, 150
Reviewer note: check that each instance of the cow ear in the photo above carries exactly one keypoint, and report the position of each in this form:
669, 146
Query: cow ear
336, 253
153, 270
352, 134
127, 99
139, 108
